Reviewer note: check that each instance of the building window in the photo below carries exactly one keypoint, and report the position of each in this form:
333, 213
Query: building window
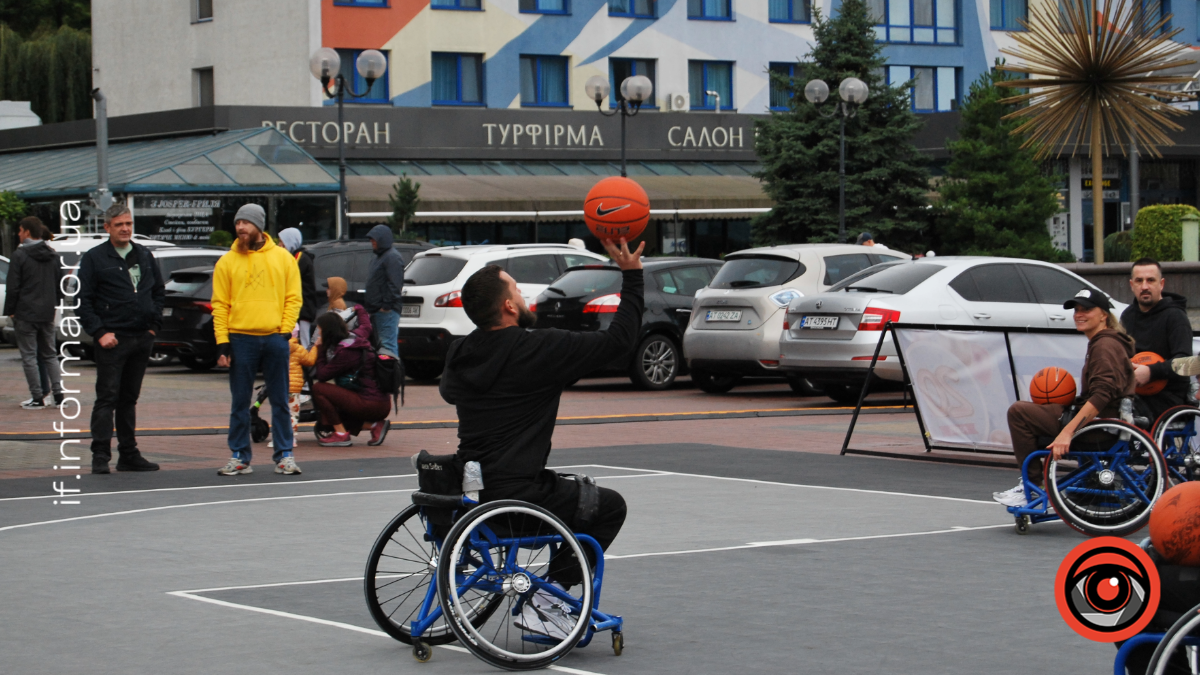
378, 92
457, 79
544, 81
545, 7
714, 76
472, 5
713, 10
933, 90
1155, 11
638, 9
359, 3
623, 68
781, 93
201, 10
790, 11
1005, 14
202, 87
920, 21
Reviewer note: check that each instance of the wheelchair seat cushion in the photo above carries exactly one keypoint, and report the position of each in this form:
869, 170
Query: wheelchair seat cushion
438, 474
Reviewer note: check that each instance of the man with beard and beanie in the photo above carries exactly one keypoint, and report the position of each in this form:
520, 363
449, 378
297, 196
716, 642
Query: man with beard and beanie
506, 381
385, 289
255, 304
121, 295
32, 297
1158, 322
293, 240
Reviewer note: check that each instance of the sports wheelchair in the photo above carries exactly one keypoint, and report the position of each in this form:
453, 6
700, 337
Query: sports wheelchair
1175, 432
448, 567
1106, 485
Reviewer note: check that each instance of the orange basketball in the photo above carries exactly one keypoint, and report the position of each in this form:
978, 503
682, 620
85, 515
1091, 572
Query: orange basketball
616, 207
1175, 524
1153, 386
1052, 385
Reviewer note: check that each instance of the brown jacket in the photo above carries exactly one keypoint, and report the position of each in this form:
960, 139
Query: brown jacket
1108, 371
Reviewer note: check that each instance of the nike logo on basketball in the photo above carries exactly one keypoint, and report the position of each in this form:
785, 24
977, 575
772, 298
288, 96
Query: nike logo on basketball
601, 211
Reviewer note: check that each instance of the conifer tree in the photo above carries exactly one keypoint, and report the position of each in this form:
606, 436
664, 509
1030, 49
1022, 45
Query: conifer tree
995, 197
886, 179
404, 200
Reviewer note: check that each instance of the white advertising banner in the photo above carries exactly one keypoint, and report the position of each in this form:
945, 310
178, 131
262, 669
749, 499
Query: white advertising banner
1033, 351
963, 385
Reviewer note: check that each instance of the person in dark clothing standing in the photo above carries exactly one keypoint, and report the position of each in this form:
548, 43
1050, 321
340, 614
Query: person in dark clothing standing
1158, 323
32, 297
293, 240
385, 288
506, 381
120, 305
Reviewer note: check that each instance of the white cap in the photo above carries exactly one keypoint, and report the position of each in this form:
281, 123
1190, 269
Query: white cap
577, 243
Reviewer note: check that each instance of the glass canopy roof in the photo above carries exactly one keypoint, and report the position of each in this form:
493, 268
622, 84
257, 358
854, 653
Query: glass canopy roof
248, 160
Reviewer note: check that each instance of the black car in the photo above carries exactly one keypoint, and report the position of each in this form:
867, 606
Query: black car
585, 298
187, 326
350, 260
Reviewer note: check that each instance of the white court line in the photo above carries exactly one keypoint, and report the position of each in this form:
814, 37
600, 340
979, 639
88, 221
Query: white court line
336, 624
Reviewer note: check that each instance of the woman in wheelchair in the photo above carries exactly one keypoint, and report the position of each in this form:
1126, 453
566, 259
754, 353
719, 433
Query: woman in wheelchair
1107, 378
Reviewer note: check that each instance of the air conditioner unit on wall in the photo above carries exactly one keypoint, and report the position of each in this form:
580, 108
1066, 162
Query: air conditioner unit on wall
677, 102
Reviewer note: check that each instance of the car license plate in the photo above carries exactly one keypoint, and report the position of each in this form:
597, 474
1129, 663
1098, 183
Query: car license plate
723, 316
410, 310
167, 311
820, 322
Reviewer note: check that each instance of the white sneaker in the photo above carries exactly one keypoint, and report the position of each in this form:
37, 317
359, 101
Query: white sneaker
1015, 499
234, 467
546, 615
287, 466
1020, 487
271, 443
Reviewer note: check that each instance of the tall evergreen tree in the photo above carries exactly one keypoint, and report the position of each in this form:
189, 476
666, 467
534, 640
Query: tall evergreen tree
995, 198
886, 179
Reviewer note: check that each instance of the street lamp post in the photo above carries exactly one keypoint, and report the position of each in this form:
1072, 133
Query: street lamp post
635, 91
853, 93
326, 66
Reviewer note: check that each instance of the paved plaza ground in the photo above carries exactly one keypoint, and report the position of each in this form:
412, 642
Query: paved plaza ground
750, 545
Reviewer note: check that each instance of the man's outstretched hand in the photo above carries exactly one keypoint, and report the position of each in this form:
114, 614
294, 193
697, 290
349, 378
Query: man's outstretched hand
621, 256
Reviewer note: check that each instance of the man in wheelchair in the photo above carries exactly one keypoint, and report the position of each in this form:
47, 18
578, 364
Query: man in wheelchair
1107, 378
1158, 323
506, 380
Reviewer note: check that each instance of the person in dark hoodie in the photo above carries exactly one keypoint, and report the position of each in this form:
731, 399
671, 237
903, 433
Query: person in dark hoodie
385, 288
506, 381
33, 293
293, 240
1107, 378
1158, 323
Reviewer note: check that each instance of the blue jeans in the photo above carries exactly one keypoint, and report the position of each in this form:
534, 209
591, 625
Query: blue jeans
272, 353
386, 324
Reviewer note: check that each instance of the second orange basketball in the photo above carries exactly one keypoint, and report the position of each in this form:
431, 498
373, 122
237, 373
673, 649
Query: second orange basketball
616, 207
1052, 385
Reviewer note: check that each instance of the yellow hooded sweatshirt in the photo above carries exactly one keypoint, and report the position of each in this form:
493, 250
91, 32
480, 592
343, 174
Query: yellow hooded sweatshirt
256, 292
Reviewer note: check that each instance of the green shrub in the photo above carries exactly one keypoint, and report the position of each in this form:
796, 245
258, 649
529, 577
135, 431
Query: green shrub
1118, 246
1158, 232
220, 238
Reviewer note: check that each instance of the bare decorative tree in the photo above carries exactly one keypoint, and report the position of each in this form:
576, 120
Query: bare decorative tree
1097, 73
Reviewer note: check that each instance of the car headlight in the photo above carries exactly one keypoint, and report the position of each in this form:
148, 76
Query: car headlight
785, 297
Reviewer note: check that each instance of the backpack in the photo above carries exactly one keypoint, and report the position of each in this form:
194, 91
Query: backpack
389, 377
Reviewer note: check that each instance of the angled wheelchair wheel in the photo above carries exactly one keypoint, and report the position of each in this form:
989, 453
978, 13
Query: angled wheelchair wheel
1109, 481
399, 582
1179, 650
506, 547
1177, 433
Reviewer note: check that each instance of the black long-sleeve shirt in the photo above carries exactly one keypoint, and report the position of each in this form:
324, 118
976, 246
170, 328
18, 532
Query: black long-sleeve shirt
506, 385
1164, 330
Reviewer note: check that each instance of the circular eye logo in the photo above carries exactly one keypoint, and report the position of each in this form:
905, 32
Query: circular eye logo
1107, 589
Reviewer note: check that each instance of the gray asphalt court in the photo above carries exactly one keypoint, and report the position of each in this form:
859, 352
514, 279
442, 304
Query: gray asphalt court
731, 560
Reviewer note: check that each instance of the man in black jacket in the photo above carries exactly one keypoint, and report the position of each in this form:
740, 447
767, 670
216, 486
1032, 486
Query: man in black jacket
1158, 322
506, 381
120, 306
385, 290
30, 301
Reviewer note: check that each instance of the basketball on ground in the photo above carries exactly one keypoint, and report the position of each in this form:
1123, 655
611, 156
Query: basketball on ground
616, 207
1153, 386
1175, 525
1052, 385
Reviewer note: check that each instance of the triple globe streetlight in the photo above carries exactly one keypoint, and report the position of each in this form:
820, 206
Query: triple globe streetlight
853, 93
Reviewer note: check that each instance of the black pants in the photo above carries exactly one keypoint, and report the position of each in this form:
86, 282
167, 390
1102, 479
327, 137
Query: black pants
1156, 405
119, 373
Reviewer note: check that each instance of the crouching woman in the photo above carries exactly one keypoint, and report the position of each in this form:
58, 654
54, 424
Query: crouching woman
345, 394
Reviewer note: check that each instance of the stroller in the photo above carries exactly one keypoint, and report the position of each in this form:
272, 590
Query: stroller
260, 429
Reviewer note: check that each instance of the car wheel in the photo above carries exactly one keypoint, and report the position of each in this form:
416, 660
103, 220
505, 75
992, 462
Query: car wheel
161, 359
714, 384
655, 363
423, 371
846, 394
802, 386
198, 364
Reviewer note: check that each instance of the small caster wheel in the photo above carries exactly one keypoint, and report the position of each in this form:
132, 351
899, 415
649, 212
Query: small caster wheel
421, 651
618, 642
1023, 524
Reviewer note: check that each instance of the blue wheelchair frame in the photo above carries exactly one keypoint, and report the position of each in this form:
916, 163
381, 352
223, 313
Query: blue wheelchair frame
1176, 455
487, 579
1137, 641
